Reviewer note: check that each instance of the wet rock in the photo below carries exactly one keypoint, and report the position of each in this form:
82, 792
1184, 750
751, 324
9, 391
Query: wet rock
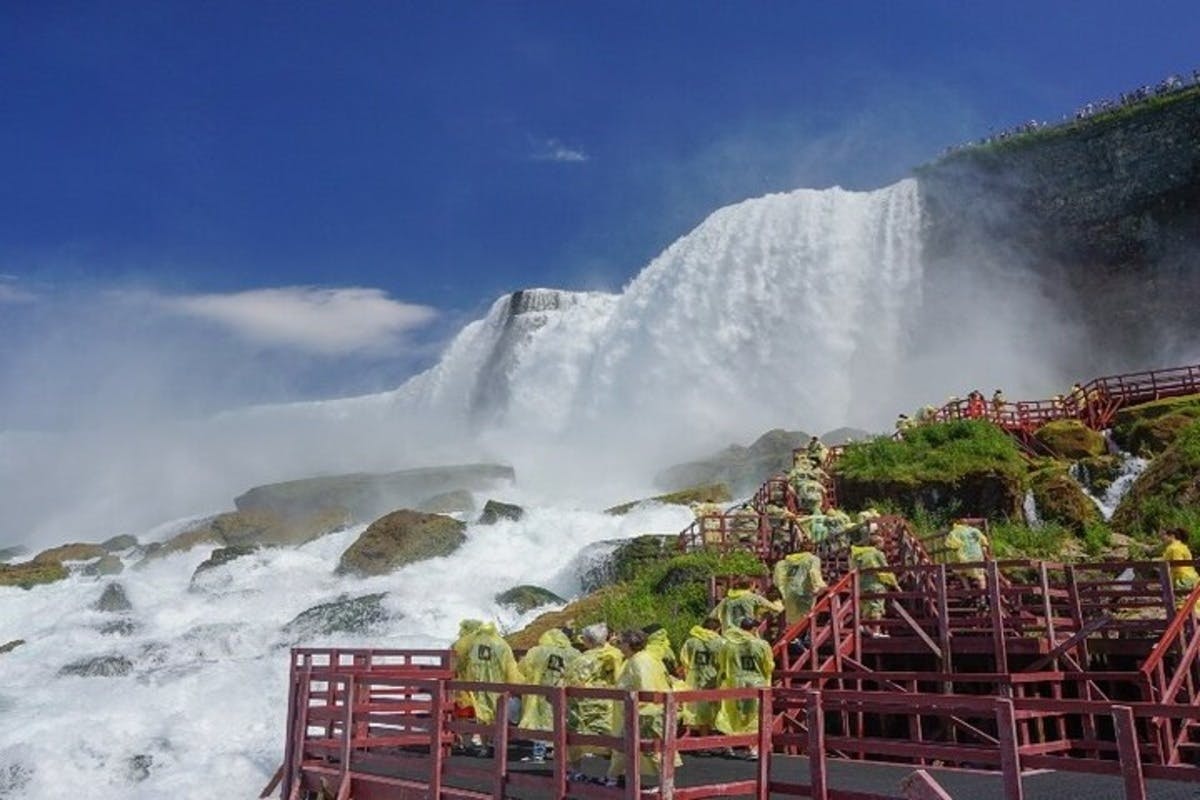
344, 615
29, 573
70, 552
260, 527
367, 496
222, 556
14, 779
113, 599
1071, 439
137, 768
106, 565
460, 501
119, 627
494, 511
119, 543
710, 493
400, 538
741, 468
8, 647
526, 598
98, 667
1060, 499
612, 561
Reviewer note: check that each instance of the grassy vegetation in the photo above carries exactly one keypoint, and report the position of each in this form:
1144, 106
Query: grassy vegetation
933, 453
1150, 428
1018, 540
1168, 493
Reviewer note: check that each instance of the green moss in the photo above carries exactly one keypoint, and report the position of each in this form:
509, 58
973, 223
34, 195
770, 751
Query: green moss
526, 598
971, 467
709, 493
1061, 500
1069, 438
401, 538
1167, 494
31, 573
1148, 429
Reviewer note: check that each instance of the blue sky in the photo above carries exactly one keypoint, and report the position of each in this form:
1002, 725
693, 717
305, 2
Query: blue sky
189, 183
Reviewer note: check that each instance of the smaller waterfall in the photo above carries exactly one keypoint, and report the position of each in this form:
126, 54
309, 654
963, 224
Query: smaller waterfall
1131, 468
1029, 506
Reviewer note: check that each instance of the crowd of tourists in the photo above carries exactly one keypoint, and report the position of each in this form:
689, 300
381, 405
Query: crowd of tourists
1168, 85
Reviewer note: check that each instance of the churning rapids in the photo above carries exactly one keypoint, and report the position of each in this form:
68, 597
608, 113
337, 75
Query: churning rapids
805, 310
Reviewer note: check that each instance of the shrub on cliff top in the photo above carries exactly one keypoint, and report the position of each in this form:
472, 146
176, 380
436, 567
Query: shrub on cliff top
940, 453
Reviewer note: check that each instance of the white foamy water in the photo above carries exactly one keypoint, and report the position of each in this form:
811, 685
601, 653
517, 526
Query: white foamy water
206, 697
1131, 468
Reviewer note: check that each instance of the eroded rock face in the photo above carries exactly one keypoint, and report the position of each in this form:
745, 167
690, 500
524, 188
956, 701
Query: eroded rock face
366, 496
344, 615
527, 598
400, 538
110, 666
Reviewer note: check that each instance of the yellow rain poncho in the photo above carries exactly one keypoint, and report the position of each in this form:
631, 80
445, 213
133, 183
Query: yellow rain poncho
488, 658
868, 557
699, 656
742, 604
964, 545
466, 629
745, 661
545, 665
643, 672
1183, 577
798, 578
659, 643
597, 668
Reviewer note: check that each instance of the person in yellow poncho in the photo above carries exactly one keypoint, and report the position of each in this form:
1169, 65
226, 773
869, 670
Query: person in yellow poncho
871, 557
745, 661
488, 659
965, 545
699, 655
1183, 576
643, 672
658, 642
464, 705
544, 665
743, 603
597, 668
799, 580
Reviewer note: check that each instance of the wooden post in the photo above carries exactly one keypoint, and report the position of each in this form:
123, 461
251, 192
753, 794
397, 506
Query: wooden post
1010, 756
818, 788
633, 748
994, 600
500, 747
558, 704
437, 730
1085, 658
766, 716
1127, 750
347, 740
289, 742
666, 767
943, 613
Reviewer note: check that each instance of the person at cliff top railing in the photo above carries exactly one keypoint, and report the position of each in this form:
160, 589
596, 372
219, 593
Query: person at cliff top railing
743, 603
597, 668
698, 655
1078, 397
488, 659
903, 423
643, 672
799, 580
998, 402
975, 406
817, 452
965, 544
1183, 576
871, 557
544, 665
745, 662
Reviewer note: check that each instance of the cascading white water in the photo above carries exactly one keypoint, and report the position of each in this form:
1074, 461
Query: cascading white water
1029, 506
1131, 468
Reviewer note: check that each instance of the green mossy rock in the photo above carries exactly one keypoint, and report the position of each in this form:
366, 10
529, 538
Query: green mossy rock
576, 614
743, 469
1150, 428
70, 552
526, 598
1167, 494
494, 511
1061, 500
106, 565
709, 493
460, 501
1070, 439
119, 543
969, 468
344, 615
31, 573
400, 538
634, 555
1099, 472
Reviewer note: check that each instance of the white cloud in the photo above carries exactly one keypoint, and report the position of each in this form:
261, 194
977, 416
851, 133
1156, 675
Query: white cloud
322, 321
554, 150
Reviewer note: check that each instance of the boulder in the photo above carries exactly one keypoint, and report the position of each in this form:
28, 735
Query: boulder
494, 511
1060, 499
1167, 494
710, 493
119, 627
105, 565
223, 555
344, 615
113, 599
1097, 473
459, 501
119, 543
8, 647
401, 538
743, 469
31, 573
527, 598
98, 667
1071, 439
70, 552
1148, 429
633, 555
367, 495
138, 766
253, 529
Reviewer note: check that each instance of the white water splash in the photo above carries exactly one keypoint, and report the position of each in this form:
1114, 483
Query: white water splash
1029, 506
1131, 468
